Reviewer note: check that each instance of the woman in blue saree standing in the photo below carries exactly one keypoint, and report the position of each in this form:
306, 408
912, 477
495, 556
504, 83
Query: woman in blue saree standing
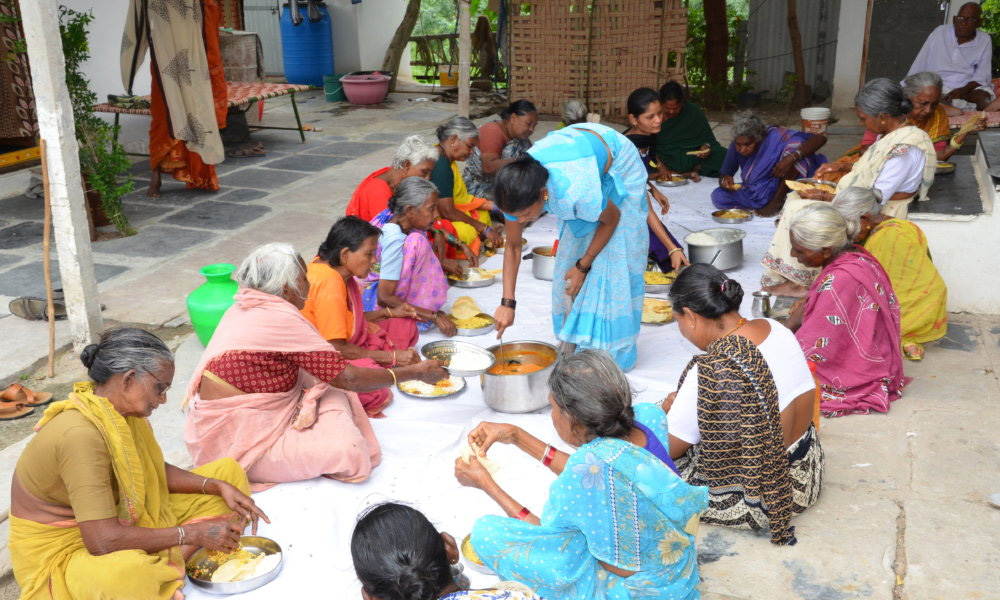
592, 179
619, 523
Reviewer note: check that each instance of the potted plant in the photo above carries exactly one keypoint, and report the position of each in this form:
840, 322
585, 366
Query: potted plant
104, 164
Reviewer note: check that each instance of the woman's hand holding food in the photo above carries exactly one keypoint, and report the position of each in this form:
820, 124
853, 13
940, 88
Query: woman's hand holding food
239, 503
221, 533
450, 266
428, 371
726, 182
486, 433
472, 474
471, 256
445, 324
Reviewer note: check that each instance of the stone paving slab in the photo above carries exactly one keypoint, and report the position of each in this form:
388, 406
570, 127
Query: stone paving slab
235, 164
843, 542
22, 208
139, 213
241, 195
952, 550
173, 193
260, 179
347, 149
208, 215
21, 235
28, 279
307, 162
153, 241
9, 259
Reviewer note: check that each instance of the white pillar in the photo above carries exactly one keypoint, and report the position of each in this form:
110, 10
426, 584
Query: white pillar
40, 19
850, 45
464, 57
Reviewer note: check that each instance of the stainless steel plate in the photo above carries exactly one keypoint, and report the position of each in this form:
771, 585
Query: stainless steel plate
814, 181
459, 383
443, 350
658, 288
479, 330
718, 218
671, 182
945, 168
252, 543
478, 283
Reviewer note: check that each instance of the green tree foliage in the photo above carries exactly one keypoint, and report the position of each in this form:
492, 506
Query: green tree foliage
103, 160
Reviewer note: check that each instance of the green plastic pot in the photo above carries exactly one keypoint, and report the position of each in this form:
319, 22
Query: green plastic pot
333, 89
209, 302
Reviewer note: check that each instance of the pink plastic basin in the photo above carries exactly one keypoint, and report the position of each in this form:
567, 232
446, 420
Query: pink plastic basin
365, 89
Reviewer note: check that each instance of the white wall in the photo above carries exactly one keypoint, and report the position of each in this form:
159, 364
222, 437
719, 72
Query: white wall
850, 44
362, 32
104, 67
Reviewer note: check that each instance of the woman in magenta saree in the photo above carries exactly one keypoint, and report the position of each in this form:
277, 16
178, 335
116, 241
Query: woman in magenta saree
850, 319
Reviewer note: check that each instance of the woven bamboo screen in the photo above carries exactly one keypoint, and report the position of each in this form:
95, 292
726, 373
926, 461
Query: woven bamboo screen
594, 50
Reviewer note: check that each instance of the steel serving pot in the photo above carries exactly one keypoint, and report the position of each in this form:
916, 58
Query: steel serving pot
543, 264
519, 393
723, 255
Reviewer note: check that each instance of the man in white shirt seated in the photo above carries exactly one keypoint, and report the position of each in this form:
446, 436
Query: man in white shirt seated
962, 56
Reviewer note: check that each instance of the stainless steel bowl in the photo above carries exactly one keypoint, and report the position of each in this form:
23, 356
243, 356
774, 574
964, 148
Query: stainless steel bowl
252, 543
443, 350
723, 255
478, 330
543, 266
519, 393
718, 218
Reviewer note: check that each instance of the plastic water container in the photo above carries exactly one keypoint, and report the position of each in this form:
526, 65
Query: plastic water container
307, 49
815, 119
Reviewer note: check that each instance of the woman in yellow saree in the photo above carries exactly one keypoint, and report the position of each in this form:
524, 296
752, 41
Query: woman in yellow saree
95, 511
462, 214
901, 247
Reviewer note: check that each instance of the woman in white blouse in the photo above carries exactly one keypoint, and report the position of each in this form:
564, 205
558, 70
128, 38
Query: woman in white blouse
900, 165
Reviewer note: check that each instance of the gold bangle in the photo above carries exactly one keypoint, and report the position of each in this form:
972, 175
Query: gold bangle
954, 145
391, 372
204, 482
677, 249
389, 310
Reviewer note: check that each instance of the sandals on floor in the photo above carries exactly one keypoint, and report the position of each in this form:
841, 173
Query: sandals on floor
22, 396
11, 411
36, 309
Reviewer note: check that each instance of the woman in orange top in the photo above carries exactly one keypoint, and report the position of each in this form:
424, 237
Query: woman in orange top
414, 158
383, 337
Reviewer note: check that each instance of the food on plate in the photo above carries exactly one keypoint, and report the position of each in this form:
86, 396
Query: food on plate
469, 553
476, 274
240, 565
488, 463
655, 310
474, 322
671, 178
731, 213
465, 308
441, 388
657, 278
798, 186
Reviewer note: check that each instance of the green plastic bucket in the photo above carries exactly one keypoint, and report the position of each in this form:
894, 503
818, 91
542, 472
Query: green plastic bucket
333, 88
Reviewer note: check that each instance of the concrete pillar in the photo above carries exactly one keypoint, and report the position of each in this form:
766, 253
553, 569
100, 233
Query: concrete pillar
40, 19
464, 57
850, 45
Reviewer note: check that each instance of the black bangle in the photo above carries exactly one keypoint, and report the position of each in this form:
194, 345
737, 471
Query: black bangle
509, 303
583, 269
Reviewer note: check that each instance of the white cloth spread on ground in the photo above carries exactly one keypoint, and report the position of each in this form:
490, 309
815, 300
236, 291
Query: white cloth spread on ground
421, 439
957, 64
783, 356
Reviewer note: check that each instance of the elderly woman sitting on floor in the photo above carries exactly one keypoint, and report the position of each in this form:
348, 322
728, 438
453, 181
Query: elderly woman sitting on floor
414, 158
765, 157
753, 379
95, 511
619, 522
406, 272
272, 393
848, 325
901, 248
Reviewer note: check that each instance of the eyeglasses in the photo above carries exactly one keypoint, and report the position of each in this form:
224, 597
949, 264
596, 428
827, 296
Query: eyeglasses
967, 19
161, 387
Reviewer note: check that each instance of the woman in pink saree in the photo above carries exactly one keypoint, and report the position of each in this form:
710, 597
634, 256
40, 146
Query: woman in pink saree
406, 270
849, 322
274, 395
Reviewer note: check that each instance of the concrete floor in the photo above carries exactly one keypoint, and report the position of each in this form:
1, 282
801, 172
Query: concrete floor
902, 513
